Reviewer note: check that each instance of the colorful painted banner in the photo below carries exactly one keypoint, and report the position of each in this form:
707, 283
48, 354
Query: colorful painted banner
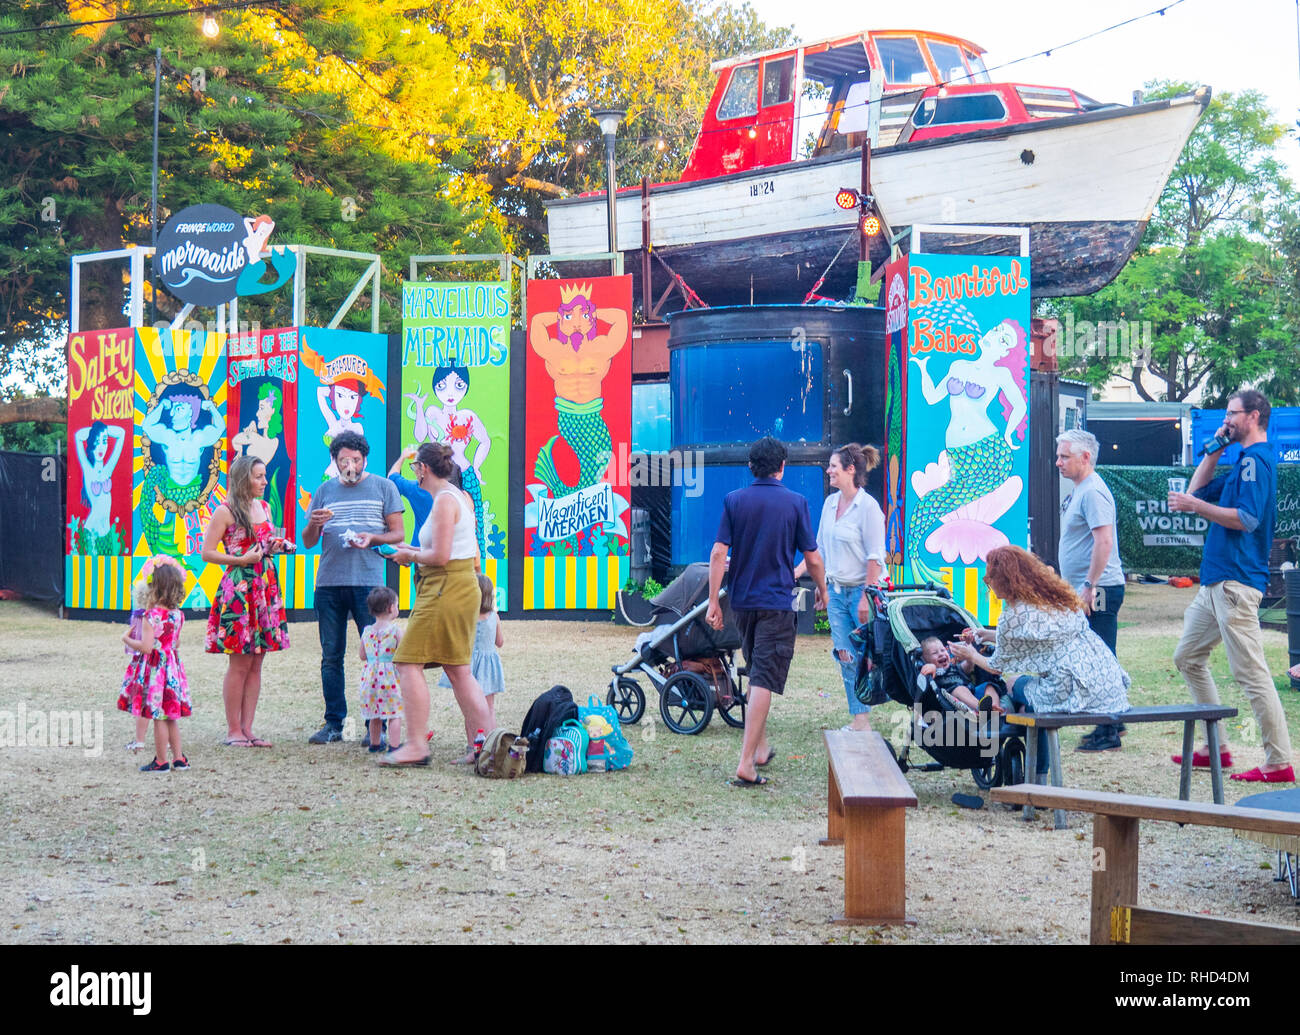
966, 418
456, 389
578, 416
343, 386
101, 423
262, 419
895, 294
180, 450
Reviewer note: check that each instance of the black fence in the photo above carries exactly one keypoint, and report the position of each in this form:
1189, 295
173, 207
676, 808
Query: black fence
31, 525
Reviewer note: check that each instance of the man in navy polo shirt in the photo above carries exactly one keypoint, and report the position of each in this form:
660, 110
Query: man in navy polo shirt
1240, 507
763, 525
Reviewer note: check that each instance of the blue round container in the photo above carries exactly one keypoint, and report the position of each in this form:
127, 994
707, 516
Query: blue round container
812, 376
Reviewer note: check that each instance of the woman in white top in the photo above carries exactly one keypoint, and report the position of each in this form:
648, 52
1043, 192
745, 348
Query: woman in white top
851, 540
442, 623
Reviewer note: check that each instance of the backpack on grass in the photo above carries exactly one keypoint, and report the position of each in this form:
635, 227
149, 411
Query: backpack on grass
551, 710
503, 757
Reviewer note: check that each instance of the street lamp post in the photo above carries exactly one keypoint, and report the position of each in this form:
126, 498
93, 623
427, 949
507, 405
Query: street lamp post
609, 119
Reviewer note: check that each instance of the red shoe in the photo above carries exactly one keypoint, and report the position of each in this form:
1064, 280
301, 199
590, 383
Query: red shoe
1258, 775
1201, 760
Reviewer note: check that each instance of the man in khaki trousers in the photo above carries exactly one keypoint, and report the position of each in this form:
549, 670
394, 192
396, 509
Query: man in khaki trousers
1240, 507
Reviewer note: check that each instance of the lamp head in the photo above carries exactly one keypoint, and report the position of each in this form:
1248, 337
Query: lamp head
609, 119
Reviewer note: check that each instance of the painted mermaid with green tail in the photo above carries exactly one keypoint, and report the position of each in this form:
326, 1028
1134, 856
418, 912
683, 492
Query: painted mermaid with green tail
971, 483
577, 356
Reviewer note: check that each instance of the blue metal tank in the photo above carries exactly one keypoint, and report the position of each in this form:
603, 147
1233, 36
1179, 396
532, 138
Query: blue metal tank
812, 376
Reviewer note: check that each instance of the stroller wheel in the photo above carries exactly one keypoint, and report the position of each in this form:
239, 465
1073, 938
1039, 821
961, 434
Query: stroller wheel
686, 703
1011, 762
985, 777
732, 710
628, 699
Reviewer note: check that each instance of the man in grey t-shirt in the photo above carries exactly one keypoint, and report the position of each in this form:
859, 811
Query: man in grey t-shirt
1088, 553
371, 508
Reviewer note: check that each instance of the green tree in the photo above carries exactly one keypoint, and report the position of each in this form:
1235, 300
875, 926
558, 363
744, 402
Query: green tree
289, 114
1204, 305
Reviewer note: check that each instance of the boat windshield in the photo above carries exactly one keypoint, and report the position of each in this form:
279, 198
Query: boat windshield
979, 73
902, 60
947, 59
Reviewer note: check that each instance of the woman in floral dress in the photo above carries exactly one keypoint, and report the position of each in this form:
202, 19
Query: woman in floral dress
247, 619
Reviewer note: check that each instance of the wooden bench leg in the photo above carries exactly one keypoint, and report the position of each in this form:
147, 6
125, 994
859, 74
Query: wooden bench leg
875, 885
1054, 746
1216, 770
1189, 745
834, 811
1114, 871
1031, 766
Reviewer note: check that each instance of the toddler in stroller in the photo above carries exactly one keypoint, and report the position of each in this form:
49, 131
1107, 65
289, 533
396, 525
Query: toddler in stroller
955, 679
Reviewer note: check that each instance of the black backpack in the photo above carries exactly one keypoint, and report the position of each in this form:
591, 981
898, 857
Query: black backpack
546, 715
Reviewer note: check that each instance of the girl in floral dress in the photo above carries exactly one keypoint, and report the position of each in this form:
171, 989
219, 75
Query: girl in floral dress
155, 686
247, 619
381, 696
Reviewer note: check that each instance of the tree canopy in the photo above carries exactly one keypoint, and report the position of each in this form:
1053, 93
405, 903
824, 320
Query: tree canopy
402, 127
1206, 304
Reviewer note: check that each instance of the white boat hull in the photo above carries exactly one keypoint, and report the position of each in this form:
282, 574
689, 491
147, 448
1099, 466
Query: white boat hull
1086, 186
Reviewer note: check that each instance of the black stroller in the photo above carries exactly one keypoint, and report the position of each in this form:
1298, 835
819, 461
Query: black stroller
690, 664
948, 730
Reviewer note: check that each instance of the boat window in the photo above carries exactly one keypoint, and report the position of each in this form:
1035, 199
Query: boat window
778, 81
947, 59
981, 73
970, 107
742, 94
1046, 102
902, 60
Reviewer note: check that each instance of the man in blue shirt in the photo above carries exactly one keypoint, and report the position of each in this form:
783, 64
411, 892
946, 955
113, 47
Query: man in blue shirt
763, 526
1240, 506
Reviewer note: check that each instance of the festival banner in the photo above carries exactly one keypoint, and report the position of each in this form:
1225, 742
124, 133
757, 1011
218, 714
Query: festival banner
180, 450
101, 423
895, 294
342, 386
578, 417
262, 414
966, 419
456, 389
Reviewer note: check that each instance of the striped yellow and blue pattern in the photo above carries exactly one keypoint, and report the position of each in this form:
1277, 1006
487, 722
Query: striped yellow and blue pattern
98, 583
573, 583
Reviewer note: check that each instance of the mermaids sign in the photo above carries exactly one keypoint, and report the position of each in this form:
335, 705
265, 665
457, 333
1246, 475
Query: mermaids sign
209, 254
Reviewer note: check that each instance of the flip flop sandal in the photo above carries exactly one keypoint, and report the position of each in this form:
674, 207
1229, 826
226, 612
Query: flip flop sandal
236, 742
740, 781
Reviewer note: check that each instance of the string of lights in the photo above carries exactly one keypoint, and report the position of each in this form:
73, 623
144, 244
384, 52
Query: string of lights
215, 7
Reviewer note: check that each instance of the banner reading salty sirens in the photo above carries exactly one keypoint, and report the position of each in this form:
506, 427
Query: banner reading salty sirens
456, 389
967, 419
578, 413
101, 420
180, 450
896, 313
263, 414
343, 378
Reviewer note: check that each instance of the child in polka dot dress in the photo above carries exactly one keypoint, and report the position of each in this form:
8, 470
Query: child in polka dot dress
381, 696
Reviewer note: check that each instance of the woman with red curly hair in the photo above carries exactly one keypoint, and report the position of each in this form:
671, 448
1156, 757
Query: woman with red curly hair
1043, 632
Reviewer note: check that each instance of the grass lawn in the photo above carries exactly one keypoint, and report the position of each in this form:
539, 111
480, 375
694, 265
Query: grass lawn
302, 844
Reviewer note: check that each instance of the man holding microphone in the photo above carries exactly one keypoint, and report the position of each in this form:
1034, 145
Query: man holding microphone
1240, 507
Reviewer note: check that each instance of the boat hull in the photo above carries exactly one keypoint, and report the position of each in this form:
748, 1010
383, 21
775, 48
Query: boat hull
1084, 185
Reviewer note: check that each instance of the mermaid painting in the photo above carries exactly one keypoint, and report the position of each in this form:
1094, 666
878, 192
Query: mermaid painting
457, 426
971, 485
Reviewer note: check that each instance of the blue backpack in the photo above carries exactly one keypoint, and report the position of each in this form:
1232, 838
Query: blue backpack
618, 752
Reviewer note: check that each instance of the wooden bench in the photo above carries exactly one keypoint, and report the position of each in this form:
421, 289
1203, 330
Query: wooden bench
1116, 915
867, 796
1040, 724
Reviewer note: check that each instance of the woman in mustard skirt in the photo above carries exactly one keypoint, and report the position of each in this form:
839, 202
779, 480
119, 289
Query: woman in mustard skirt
440, 631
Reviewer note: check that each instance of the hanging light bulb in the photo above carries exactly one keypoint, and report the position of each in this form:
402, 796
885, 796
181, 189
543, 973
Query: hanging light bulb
661, 144
210, 28
580, 150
